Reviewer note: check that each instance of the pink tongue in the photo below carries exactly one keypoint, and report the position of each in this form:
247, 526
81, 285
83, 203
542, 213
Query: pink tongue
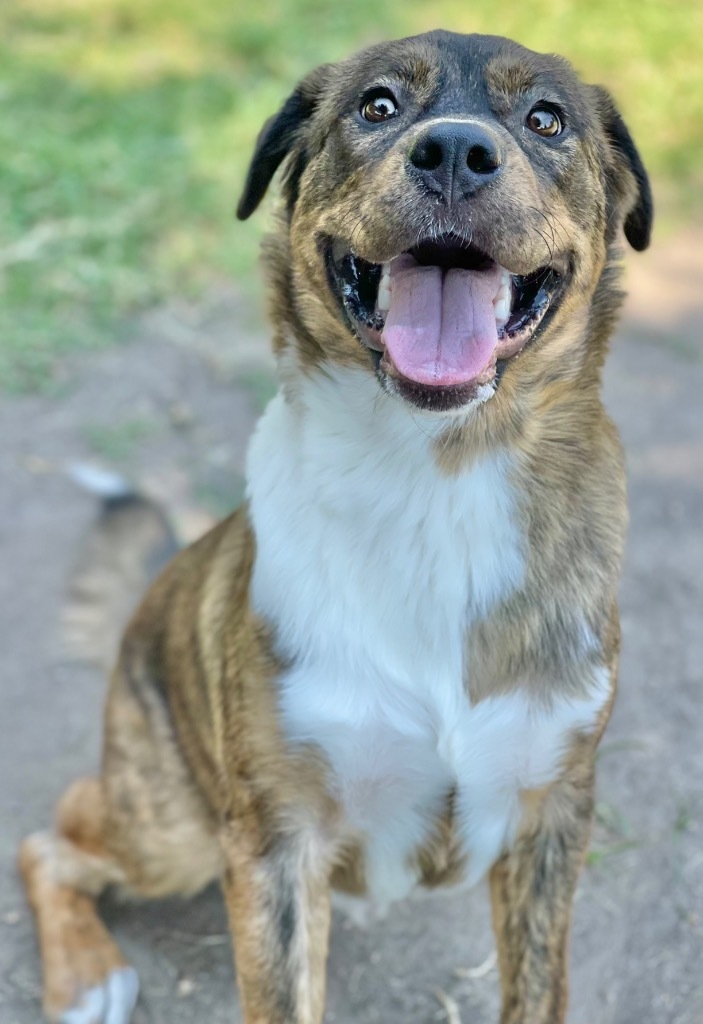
440, 328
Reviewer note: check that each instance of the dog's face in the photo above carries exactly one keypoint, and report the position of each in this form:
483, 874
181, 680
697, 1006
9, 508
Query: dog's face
450, 203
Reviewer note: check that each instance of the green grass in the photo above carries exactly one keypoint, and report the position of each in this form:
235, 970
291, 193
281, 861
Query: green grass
118, 443
126, 126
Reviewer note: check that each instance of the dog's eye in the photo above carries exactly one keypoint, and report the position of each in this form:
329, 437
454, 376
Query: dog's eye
544, 121
380, 107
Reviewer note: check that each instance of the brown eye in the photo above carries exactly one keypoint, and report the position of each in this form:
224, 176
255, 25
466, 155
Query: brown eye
379, 108
544, 121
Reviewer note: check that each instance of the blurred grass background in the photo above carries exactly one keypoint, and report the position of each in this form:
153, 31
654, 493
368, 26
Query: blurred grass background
126, 126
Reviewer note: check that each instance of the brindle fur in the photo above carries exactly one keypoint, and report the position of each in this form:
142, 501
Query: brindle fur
196, 781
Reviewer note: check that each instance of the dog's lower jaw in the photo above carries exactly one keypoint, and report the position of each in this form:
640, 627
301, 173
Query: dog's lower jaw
454, 403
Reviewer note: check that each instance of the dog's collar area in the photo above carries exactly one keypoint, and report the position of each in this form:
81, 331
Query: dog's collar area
520, 304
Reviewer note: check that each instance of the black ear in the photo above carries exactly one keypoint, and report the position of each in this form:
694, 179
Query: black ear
627, 175
276, 139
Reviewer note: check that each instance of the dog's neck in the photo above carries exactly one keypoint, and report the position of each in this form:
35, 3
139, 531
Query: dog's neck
348, 411
344, 481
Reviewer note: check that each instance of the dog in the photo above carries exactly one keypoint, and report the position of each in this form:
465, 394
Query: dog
391, 667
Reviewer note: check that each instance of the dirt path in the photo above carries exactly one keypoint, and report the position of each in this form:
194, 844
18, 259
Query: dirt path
167, 410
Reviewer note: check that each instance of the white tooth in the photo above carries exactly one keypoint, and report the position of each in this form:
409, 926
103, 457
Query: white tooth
503, 300
383, 302
501, 308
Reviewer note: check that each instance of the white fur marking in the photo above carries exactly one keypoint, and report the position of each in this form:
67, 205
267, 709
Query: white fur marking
90, 1010
372, 566
110, 1003
505, 745
123, 992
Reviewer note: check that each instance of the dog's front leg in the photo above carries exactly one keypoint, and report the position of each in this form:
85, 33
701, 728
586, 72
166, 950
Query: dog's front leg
278, 901
532, 889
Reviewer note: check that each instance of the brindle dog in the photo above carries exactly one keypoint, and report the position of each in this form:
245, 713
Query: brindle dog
393, 665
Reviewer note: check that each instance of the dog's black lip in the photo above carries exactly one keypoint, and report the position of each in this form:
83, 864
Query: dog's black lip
337, 293
427, 397
376, 356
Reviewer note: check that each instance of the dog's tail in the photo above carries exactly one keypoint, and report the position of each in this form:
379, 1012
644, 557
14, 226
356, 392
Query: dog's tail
128, 545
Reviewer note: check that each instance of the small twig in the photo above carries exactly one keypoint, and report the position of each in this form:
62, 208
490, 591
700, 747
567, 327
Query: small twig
196, 940
449, 1006
481, 971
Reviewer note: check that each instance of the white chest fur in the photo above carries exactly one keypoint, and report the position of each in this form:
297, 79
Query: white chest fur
372, 565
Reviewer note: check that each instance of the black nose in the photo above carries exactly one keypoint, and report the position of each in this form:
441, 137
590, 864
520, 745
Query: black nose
456, 160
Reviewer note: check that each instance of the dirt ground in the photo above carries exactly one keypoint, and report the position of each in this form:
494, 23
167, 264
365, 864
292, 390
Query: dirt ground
173, 410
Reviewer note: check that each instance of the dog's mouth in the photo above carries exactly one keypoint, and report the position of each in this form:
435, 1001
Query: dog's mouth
442, 318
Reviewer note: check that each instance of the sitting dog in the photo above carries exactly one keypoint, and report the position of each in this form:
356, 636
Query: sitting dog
392, 666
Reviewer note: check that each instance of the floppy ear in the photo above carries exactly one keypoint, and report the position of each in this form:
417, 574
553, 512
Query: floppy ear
626, 173
277, 138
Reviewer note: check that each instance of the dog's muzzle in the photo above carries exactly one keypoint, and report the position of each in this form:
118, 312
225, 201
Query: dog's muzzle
440, 318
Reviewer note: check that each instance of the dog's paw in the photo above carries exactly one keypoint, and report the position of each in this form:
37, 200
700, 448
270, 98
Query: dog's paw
109, 1003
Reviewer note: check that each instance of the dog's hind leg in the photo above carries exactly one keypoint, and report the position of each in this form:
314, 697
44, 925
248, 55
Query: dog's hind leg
141, 827
86, 980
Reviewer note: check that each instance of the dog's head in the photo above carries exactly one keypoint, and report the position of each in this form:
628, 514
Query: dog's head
449, 202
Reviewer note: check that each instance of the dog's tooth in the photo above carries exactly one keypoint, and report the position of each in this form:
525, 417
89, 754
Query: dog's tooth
501, 307
383, 302
504, 296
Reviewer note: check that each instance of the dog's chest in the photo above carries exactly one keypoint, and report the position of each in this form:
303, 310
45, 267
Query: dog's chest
372, 566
